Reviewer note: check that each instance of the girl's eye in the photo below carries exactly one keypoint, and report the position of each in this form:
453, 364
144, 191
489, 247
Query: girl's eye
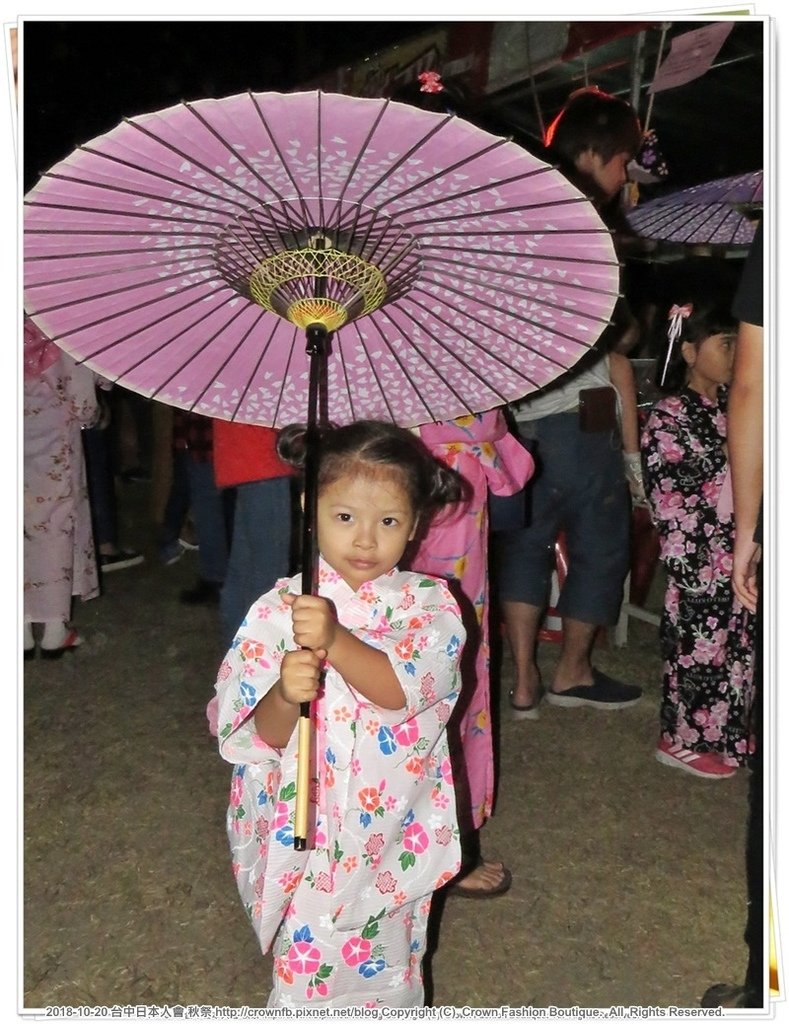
344, 517
389, 521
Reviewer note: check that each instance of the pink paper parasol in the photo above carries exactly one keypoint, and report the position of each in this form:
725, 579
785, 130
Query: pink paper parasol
179, 255
436, 270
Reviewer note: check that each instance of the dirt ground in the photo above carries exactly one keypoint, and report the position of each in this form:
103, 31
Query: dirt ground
628, 876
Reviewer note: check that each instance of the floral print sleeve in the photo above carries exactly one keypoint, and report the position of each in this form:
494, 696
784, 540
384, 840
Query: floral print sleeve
249, 670
417, 626
684, 470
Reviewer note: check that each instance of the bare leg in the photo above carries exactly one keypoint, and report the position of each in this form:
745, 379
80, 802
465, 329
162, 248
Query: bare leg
522, 622
575, 665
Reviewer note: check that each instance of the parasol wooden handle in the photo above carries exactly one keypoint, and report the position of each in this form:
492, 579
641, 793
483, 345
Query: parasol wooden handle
302, 780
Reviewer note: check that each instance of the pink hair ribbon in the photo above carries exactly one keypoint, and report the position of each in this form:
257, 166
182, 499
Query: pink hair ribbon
675, 315
431, 82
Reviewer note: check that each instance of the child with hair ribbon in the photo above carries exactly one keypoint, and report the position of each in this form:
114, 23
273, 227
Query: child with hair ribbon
377, 653
707, 637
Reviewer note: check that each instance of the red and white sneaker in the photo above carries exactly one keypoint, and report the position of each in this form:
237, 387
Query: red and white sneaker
705, 766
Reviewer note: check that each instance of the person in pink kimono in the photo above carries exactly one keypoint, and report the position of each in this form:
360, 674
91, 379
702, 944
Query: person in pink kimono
489, 458
377, 654
59, 398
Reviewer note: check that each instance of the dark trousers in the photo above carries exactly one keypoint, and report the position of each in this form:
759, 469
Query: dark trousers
754, 840
101, 486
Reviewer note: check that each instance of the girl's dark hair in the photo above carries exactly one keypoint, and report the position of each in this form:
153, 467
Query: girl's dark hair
710, 314
429, 483
593, 119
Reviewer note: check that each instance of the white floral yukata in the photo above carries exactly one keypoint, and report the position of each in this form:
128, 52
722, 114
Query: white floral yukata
59, 398
347, 917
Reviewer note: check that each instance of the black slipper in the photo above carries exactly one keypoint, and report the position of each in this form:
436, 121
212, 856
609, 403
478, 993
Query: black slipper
604, 693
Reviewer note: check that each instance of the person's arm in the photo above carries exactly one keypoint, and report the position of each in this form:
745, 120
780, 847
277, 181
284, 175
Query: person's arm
624, 380
277, 712
366, 669
746, 457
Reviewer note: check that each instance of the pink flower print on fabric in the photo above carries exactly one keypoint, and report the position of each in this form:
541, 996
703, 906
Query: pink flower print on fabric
289, 880
710, 491
236, 790
319, 988
673, 546
406, 733
445, 770
669, 505
704, 650
439, 799
443, 835
686, 734
323, 882
668, 447
281, 815
385, 882
357, 950
415, 839
427, 684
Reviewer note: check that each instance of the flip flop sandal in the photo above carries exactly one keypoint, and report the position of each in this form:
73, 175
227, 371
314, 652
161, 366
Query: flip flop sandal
528, 712
453, 889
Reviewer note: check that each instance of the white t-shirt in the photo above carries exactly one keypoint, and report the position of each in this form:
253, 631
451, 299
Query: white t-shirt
563, 397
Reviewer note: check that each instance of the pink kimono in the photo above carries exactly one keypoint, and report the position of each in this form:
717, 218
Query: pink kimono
348, 916
59, 557
489, 457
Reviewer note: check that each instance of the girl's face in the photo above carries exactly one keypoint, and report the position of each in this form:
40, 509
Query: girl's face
365, 521
710, 362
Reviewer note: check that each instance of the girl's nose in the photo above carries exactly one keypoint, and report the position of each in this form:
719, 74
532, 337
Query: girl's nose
364, 537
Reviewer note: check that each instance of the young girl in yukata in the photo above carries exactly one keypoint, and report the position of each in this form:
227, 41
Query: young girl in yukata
377, 654
707, 637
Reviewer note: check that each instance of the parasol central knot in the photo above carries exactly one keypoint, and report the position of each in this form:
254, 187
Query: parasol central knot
324, 286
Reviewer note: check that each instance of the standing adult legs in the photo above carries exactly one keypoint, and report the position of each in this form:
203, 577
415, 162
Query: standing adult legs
522, 622
260, 549
176, 510
208, 511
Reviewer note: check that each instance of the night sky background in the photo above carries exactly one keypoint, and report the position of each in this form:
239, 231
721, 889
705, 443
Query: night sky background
82, 77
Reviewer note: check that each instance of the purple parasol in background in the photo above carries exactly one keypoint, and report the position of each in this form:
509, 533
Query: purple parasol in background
722, 212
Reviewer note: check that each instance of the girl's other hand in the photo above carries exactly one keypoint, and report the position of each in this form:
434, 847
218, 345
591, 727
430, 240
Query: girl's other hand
300, 675
314, 622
